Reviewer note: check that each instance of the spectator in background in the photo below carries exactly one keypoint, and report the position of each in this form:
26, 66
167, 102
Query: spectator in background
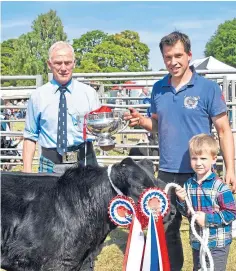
144, 94
20, 110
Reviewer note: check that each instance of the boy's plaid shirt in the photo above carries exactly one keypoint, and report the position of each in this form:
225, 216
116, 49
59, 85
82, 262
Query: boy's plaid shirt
214, 198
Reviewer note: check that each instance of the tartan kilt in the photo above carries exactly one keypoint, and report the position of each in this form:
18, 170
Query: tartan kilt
45, 165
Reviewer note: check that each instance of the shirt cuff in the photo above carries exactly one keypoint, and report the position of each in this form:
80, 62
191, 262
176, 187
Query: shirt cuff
31, 136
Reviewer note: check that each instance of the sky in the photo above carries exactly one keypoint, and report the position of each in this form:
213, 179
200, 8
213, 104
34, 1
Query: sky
151, 19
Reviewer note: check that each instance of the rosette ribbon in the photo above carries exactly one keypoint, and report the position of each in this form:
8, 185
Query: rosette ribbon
152, 206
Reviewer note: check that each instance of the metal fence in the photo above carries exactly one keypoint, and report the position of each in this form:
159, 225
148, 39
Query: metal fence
104, 82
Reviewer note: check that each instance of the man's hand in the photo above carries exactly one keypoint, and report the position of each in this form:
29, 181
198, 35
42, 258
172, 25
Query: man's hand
200, 218
181, 193
231, 179
134, 117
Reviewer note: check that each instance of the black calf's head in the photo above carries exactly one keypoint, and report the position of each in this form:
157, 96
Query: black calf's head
133, 177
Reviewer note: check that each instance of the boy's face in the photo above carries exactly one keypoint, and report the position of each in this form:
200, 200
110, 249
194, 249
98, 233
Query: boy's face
202, 163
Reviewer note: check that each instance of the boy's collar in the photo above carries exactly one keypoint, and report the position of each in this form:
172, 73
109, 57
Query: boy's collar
209, 178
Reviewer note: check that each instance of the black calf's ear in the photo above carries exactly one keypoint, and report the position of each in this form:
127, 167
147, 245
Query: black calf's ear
148, 164
127, 161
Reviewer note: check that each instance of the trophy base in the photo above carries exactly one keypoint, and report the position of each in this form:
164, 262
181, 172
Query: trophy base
106, 141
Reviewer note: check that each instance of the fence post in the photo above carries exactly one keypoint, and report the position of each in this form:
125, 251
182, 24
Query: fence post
39, 83
50, 76
225, 88
233, 92
39, 80
225, 93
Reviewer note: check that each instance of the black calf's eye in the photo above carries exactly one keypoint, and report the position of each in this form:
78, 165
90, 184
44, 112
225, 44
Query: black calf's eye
123, 165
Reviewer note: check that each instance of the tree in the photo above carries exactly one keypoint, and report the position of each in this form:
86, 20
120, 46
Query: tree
32, 48
111, 53
7, 52
86, 43
130, 39
222, 45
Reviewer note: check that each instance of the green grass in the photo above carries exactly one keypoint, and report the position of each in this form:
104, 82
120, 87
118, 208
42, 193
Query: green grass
111, 256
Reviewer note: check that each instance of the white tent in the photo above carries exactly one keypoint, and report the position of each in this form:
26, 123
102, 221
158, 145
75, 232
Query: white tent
211, 63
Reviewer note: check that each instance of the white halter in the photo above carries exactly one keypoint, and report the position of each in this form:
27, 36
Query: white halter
112, 184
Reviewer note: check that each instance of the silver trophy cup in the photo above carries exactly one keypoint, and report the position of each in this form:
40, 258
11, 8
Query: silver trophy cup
104, 125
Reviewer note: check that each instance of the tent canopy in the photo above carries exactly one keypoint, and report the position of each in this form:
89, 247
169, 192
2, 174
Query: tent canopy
211, 63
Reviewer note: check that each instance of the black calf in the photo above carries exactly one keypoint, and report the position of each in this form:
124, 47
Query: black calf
56, 223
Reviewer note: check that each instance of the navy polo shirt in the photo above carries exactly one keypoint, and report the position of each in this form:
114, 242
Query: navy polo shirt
183, 114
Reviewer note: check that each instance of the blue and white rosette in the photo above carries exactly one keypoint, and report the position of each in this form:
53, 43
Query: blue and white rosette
145, 199
121, 210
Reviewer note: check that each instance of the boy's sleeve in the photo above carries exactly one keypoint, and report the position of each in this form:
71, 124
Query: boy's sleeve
227, 212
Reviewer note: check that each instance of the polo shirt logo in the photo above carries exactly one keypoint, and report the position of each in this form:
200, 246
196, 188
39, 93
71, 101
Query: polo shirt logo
191, 102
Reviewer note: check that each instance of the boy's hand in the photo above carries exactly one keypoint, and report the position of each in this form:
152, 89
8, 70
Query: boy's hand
181, 193
200, 218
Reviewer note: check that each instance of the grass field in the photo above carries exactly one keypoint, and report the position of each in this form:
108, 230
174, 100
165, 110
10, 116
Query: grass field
111, 256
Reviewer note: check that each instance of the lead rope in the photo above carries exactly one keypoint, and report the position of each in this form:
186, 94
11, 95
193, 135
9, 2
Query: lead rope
204, 250
85, 153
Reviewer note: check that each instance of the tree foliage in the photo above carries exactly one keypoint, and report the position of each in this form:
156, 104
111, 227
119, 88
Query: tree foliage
7, 52
95, 51
111, 53
222, 45
31, 49
86, 43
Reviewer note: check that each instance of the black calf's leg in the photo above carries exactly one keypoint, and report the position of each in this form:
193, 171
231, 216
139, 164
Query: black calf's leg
174, 244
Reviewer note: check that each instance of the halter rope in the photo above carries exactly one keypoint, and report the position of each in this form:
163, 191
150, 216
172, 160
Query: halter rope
204, 250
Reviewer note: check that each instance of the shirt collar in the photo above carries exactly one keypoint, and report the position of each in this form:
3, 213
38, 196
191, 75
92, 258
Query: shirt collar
209, 178
166, 81
57, 85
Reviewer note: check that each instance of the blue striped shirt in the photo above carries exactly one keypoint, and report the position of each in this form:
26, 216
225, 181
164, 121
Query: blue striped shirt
42, 112
214, 198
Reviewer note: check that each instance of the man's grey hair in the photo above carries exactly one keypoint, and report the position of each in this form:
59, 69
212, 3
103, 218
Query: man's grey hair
59, 45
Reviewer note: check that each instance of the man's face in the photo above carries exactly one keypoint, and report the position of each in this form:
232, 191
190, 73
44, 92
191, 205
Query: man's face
61, 64
176, 59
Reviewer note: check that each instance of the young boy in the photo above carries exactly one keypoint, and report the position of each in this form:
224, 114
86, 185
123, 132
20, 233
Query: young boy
211, 199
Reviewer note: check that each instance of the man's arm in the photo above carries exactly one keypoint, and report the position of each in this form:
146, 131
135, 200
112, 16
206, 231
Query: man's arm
226, 140
29, 147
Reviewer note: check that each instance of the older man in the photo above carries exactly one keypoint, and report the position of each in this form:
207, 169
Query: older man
55, 114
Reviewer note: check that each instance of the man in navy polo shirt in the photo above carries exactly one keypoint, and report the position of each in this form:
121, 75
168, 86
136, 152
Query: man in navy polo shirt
184, 104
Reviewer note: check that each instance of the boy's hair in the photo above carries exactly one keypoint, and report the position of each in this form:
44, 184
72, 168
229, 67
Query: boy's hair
173, 38
203, 143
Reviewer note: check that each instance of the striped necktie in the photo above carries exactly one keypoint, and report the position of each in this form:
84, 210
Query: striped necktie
62, 123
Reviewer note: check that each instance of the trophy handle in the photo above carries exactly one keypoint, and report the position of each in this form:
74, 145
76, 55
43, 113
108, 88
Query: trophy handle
126, 125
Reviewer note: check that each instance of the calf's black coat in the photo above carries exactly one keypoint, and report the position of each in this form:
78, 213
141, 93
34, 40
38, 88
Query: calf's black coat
54, 222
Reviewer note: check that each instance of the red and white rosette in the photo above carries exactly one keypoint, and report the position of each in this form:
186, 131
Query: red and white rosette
153, 200
121, 210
